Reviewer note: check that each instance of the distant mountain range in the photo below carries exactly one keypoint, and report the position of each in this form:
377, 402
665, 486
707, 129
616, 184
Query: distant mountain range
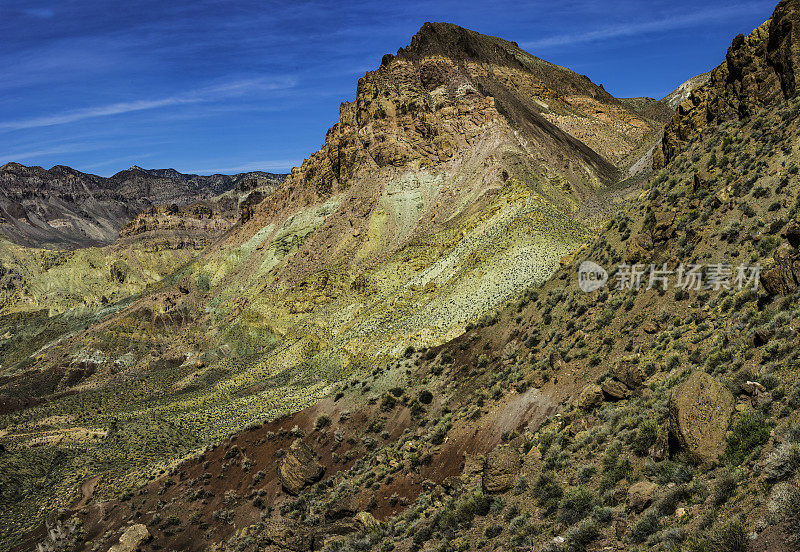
65, 208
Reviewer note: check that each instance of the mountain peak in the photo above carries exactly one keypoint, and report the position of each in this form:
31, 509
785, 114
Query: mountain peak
448, 39
12, 165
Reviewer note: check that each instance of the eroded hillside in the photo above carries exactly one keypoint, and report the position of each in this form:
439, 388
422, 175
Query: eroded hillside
62, 208
453, 182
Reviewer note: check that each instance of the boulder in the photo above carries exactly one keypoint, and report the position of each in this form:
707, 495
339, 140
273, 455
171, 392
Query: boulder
702, 181
368, 522
298, 468
752, 388
615, 389
133, 537
640, 495
791, 233
629, 372
762, 336
638, 249
650, 327
700, 411
342, 508
590, 397
501, 469
664, 226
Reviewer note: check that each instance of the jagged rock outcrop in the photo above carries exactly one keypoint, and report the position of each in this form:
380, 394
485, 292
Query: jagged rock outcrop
615, 389
65, 208
759, 70
299, 468
289, 537
700, 411
302, 537
784, 277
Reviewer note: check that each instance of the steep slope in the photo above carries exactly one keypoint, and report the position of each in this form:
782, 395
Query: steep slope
65, 208
657, 418
759, 71
558, 418
453, 181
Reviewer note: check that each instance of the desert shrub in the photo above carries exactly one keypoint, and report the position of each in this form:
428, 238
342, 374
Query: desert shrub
322, 421
615, 466
425, 396
646, 437
719, 358
673, 362
673, 538
440, 432
605, 318
748, 434
770, 381
794, 396
581, 536
730, 536
521, 486
668, 502
576, 504
784, 505
669, 471
724, 488
548, 491
586, 472
767, 245
388, 402
460, 513
203, 282
222, 515
647, 524
784, 462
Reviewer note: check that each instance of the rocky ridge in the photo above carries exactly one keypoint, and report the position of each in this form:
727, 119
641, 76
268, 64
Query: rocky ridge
65, 208
759, 71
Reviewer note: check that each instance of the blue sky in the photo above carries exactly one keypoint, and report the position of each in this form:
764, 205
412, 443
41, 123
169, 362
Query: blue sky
217, 86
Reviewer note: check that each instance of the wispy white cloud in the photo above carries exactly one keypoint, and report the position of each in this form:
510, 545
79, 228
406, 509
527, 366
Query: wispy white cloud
56, 150
207, 94
268, 166
670, 23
